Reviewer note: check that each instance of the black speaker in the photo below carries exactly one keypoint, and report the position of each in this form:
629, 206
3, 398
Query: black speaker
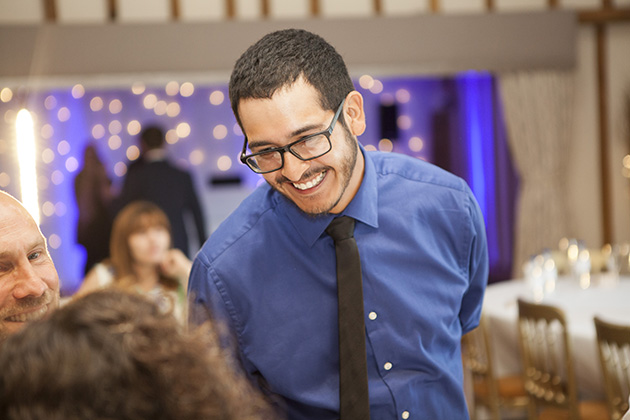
389, 121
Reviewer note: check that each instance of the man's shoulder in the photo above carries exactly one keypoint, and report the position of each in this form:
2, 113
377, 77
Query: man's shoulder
159, 168
396, 167
234, 232
165, 163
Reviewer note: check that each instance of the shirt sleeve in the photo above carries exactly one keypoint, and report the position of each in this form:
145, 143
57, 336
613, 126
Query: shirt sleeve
200, 295
478, 267
207, 304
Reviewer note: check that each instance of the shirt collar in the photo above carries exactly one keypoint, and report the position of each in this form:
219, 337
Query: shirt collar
362, 208
154, 155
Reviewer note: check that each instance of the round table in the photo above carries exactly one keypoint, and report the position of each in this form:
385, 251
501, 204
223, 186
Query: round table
610, 300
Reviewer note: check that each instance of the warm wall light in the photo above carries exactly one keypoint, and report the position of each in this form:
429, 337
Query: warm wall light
25, 139
385, 145
134, 127
138, 88
6, 94
96, 103
217, 97
172, 88
224, 163
415, 144
5, 179
78, 91
133, 152
219, 132
187, 89
366, 81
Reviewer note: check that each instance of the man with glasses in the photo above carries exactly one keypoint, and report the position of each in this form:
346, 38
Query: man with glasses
269, 271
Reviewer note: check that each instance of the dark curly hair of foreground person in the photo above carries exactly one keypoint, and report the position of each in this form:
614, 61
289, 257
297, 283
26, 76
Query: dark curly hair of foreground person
114, 355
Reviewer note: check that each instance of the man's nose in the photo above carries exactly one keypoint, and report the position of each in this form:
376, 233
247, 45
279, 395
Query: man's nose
293, 168
28, 282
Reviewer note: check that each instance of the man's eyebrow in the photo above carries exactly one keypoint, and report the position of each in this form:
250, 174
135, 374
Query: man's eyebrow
40, 242
298, 132
304, 129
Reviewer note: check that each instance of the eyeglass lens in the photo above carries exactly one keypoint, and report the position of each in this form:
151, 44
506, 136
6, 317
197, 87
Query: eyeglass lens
305, 149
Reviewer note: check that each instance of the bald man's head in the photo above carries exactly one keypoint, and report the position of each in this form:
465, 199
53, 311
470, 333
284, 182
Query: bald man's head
29, 284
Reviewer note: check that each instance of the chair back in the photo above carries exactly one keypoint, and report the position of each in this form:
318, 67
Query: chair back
613, 342
477, 358
547, 361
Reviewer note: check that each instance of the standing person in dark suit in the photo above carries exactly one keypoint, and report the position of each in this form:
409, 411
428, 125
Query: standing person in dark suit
154, 179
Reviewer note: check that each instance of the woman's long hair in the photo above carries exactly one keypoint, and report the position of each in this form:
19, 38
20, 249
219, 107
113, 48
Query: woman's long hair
135, 217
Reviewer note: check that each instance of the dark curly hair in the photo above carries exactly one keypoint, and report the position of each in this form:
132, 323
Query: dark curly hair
279, 58
114, 355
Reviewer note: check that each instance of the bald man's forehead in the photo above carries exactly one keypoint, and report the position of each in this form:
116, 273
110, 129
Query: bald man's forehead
19, 234
9, 207
15, 218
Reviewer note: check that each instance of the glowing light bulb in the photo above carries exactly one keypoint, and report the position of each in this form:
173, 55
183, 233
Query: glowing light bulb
26, 157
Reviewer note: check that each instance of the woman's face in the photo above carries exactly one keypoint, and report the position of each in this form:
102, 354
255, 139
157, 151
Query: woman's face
149, 246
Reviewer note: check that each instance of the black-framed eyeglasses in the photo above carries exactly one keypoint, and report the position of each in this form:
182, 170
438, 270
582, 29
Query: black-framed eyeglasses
307, 148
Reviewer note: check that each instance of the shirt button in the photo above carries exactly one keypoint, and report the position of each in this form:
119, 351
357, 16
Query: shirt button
372, 316
405, 415
387, 366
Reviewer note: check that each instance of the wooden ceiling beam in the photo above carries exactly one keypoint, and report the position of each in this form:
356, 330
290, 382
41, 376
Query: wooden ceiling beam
604, 15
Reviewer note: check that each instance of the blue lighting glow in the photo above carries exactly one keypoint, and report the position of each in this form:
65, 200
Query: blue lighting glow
483, 137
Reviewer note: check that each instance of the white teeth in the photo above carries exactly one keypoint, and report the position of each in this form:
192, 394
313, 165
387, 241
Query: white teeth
310, 184
29, 316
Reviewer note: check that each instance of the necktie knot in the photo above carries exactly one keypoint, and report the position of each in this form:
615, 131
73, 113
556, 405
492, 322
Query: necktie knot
341, 228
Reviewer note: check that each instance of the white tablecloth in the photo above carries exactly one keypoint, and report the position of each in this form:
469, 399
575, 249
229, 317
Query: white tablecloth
610, 301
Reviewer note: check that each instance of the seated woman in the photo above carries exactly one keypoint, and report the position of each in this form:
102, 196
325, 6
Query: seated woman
142, 260
115, 355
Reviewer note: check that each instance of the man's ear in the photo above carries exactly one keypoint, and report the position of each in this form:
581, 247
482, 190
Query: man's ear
354, 114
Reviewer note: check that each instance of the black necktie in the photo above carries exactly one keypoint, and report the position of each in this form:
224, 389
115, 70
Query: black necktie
353, 384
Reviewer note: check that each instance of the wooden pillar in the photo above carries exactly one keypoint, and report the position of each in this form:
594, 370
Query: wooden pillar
265, 8
378, 7
175, 14
602, 116
112, 10
50, 10
230, 9
600, 18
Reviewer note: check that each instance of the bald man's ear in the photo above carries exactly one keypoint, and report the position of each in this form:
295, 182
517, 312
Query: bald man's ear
354, 114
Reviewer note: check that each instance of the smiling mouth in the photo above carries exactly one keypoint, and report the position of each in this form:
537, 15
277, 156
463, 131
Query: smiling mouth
310, 184
28, 316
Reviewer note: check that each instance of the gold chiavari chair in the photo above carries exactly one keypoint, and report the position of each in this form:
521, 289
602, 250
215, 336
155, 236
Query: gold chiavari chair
490, 391
613, 342
548, 366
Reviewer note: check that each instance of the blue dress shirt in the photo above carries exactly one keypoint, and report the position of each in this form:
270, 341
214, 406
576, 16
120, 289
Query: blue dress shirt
269, 272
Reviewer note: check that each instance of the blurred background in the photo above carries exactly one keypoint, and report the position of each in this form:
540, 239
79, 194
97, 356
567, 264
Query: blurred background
528, 100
